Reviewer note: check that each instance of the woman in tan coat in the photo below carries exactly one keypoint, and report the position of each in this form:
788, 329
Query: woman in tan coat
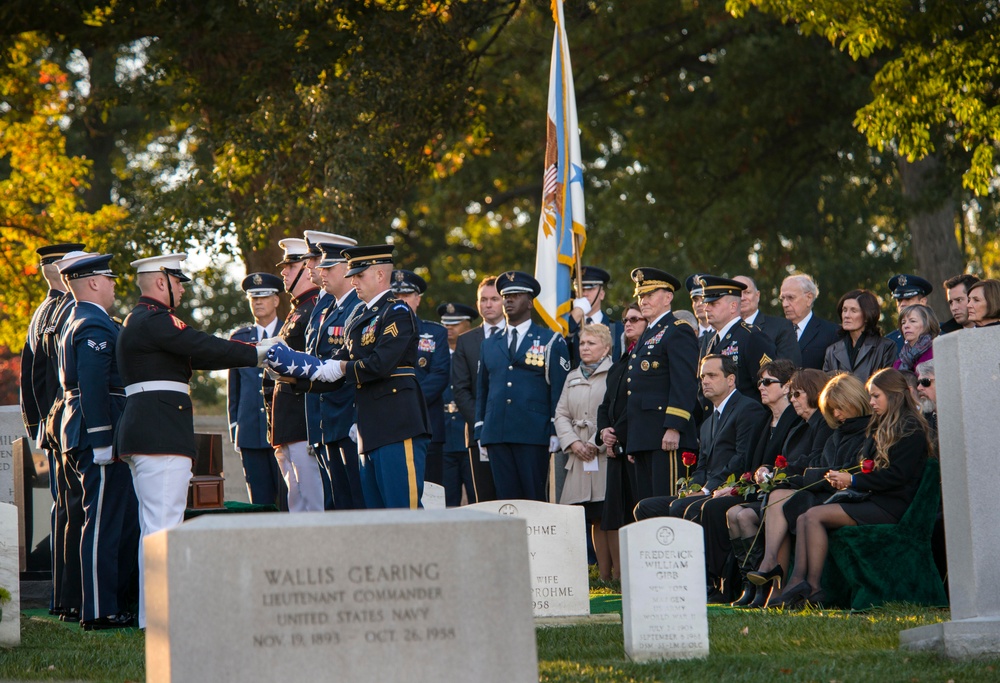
576, 425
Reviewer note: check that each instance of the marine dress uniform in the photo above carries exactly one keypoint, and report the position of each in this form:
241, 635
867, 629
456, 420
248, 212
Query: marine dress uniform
156, 354
521, 376
379, 356
245, 404
94, 398
330, 414
433, 370
286, 407
662, 392
39, 387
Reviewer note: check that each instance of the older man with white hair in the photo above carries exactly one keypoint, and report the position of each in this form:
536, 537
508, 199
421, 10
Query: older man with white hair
798, 295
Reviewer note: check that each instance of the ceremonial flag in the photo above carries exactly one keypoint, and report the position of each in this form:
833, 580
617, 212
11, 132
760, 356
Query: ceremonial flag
562, 229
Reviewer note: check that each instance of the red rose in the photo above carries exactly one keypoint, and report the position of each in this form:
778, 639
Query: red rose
734, 491
747, 476
781, 461
867, 465
688, 458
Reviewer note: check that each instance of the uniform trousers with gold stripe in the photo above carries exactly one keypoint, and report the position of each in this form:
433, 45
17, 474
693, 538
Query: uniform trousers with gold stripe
392, 476
655, 473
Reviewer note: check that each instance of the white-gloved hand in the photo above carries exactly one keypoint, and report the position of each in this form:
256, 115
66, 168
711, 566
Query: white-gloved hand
269, 342
353, 433
103, 456
553, 444
583, 303
484, 456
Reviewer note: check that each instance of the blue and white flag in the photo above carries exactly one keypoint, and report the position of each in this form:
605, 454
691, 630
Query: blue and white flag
562, 214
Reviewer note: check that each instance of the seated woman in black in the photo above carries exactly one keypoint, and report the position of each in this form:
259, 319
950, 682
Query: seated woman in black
802, 446
844, 404
898, 442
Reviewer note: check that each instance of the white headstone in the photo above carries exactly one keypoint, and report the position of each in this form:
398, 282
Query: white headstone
967, 378
361, 596
433, 498
11, 429
10, 624
557, 546
663, 589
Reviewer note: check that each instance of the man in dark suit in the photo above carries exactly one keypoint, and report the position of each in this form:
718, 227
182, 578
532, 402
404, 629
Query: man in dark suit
663, 388
94, 397
956, 289
798, 294
464, 371
587, 311
780, 330
521, 376
244, 400
379, 358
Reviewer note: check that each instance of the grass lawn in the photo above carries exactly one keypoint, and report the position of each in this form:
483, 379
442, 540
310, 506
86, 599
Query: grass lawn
746, 646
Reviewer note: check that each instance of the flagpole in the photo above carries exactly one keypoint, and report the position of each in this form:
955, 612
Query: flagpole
578, 263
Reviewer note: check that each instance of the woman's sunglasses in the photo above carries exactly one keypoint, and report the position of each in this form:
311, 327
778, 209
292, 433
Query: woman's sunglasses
767, 381
633, 319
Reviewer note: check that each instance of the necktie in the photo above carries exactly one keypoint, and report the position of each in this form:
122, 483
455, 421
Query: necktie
715, 423
798, 332
513, 342
493, 330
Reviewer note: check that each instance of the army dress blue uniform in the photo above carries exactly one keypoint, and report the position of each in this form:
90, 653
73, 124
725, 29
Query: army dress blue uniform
516, 400
751, 348
94, 400
248, 426
331, 414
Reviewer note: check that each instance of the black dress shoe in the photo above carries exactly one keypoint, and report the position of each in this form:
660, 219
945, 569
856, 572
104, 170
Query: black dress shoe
794, 595
749, 594
70, 615
123, 620
817, 599
759, 578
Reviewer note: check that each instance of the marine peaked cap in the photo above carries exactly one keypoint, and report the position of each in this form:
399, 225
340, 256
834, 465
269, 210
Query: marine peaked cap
295, 250
168, 263
315, 239
515, 282
905, 286
651, 279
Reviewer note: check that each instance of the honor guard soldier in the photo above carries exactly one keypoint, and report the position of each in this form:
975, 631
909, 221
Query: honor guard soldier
464, 377
734, 338
456, 470
433, 366
662, 387
317, 254
379, 358
39, 388
907, 290
521, 376
330, 414
587, 311
705, 331
286, 406
156, 353
245, 403
94, 397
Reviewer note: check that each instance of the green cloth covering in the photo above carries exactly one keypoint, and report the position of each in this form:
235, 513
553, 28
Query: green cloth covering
873, 564
231, 506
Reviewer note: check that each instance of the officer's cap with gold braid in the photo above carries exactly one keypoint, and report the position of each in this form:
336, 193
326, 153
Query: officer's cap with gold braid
651, 279
515, 282
453, 314
168, 263
51, 253
87, 265
262, 284
717, 287
360, 258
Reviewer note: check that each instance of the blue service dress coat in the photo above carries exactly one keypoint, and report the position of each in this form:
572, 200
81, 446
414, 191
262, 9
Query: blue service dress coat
244, 401
516, 397
454, 424
433, 372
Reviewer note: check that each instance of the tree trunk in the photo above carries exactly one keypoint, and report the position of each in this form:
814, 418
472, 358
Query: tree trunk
932, 223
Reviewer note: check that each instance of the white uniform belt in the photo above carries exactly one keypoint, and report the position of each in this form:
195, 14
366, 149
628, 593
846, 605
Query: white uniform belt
157, 385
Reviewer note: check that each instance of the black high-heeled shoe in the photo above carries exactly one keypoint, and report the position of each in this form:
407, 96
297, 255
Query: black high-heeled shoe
794, 595
759, 578
817, 599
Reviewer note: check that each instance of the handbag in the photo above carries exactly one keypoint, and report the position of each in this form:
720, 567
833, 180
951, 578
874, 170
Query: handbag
848, 496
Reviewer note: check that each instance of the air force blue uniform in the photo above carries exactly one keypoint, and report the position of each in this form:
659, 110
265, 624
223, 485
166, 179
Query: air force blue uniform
434, 375
94, 399
516, 400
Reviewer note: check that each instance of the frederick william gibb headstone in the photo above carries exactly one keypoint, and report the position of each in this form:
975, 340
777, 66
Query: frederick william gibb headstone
11, 429
377, 595
10, 623
557, 546
663, 589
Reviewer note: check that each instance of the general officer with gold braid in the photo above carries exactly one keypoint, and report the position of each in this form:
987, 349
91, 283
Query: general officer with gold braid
379, 357
662, 387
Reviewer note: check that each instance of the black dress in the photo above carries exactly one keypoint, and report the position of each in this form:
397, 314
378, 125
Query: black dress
618, 498
892, 487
